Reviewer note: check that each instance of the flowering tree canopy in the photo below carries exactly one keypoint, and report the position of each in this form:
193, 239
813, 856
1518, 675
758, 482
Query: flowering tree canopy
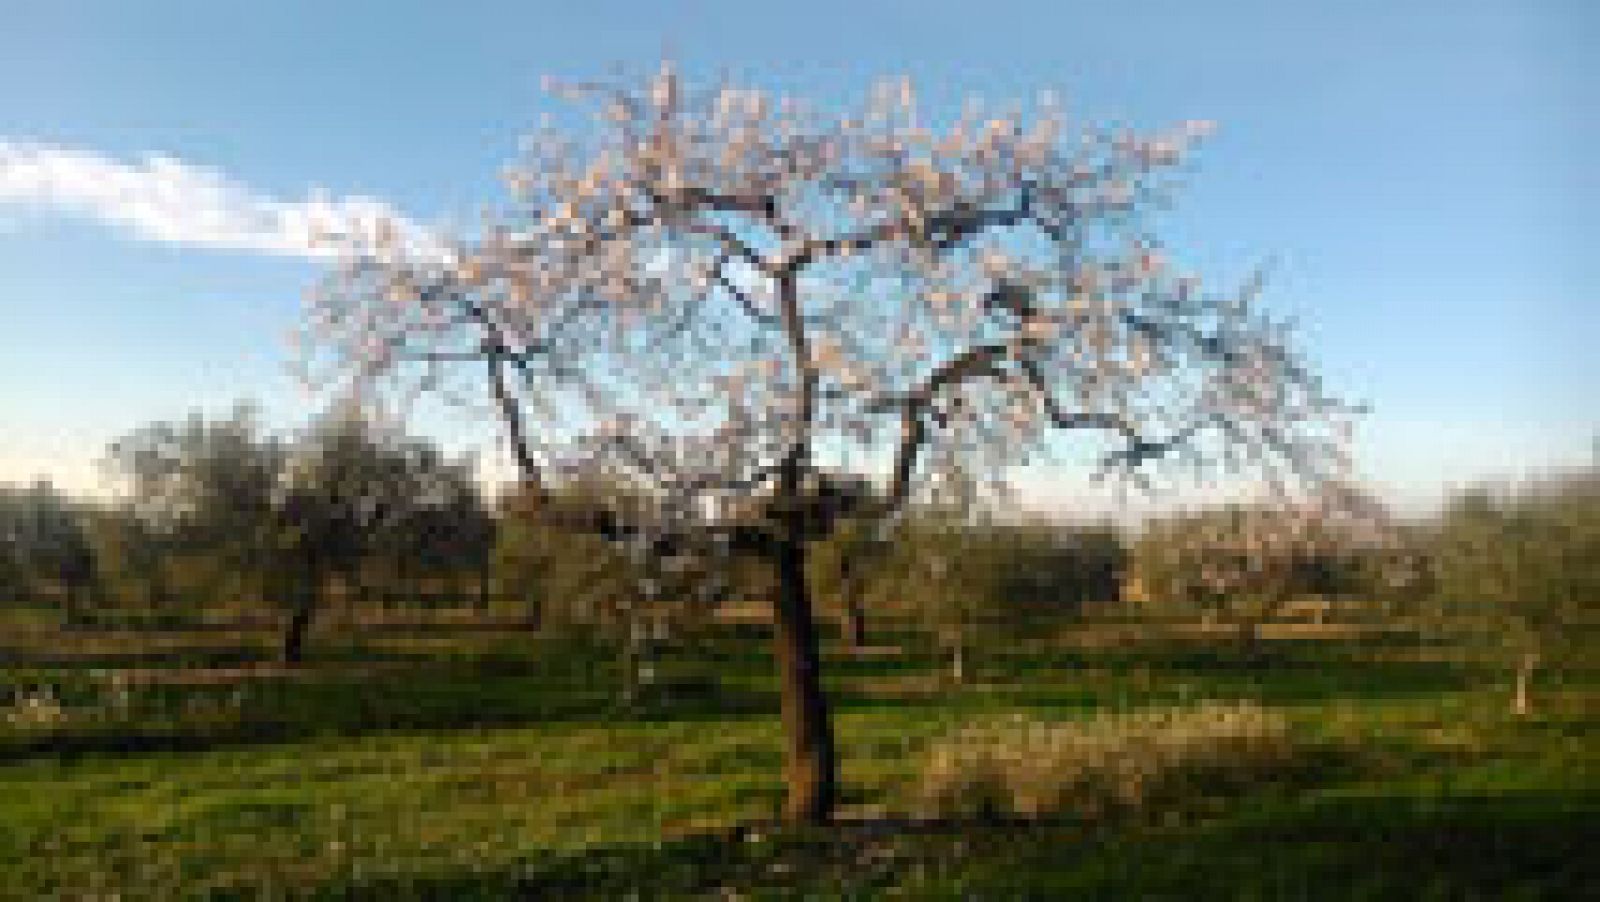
714, 293
716, 283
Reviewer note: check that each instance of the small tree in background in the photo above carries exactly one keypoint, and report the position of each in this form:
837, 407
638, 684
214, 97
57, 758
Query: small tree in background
201, 494
1519, 571
575, 572
1243, 563
842, 570
353, 490
983, 582
223, 509
436, 522
130, 557
714, 295
937, 575
13, 568
45, 547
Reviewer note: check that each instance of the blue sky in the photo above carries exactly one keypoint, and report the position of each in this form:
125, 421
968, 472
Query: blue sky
1421, 173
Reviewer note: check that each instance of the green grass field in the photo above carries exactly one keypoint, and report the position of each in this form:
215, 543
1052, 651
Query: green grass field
479, 763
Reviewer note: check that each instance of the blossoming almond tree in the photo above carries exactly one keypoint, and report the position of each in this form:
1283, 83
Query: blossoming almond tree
1247, 562
720, 295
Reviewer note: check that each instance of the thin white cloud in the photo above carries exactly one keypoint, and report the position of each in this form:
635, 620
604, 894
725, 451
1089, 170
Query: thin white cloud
166, 200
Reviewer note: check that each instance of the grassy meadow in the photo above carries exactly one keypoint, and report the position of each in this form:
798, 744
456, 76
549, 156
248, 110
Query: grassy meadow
460, 757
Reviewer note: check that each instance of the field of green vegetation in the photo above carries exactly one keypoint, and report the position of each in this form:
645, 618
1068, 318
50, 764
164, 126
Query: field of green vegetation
459, 761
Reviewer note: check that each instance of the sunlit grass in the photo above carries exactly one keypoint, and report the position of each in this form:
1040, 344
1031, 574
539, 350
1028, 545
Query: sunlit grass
512, 764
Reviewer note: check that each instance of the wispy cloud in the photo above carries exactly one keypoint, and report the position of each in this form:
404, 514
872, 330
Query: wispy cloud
163, 199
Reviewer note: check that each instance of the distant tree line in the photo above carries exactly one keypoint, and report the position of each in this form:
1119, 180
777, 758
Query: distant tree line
221, 515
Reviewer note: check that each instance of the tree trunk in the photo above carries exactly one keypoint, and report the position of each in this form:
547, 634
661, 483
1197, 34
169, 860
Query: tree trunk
1521, 704
294, 637
393, 586
958, 661
484, 587
634, 655
809, 766
158, 593
535, 608
71, 607
1250, 641
855, 615
855, 621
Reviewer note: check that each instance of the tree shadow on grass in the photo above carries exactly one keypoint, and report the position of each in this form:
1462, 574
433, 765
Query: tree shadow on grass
1532, 845
226, 647
211, 655
1283, 675
561, 683
431, 698
1090, 682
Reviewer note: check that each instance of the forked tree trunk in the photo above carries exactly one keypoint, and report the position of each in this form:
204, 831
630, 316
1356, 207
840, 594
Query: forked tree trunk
1521, 704
809, 766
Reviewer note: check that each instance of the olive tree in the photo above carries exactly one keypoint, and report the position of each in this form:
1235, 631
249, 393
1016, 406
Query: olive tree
128, 554
843, 566
45, 546
1518, 569
200, 495
973, 580
429, 516
245, 513
716, 293
355, 489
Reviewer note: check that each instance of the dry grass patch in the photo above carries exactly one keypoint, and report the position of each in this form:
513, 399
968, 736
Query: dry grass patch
1115, 763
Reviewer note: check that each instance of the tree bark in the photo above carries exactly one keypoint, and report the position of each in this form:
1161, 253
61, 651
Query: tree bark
1522, 704
809, 766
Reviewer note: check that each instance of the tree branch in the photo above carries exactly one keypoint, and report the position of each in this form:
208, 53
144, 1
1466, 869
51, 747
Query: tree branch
720, 274
515, 429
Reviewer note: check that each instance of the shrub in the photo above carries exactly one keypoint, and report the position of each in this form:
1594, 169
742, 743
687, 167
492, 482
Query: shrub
1114, 763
